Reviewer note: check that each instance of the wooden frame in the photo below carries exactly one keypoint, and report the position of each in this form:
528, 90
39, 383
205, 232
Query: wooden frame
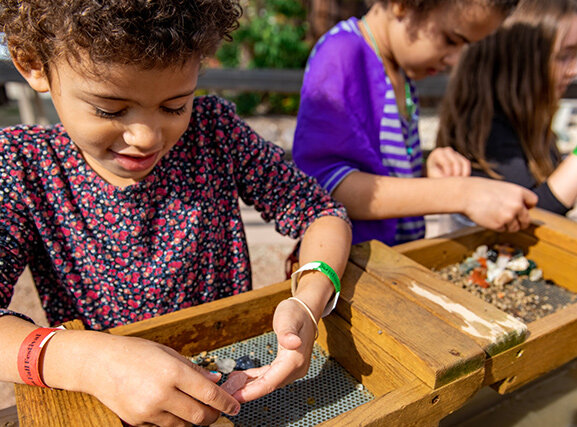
551, 241
421, 345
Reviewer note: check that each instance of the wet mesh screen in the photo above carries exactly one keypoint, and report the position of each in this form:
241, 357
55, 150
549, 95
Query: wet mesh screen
326, 391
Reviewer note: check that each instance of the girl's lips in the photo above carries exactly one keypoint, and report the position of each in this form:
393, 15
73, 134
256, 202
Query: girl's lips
136, 163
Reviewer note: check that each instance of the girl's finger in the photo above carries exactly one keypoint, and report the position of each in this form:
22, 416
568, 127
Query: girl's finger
183, 407
196, 385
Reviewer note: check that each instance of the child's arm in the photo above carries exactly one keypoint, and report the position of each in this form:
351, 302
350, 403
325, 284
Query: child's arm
328, 239
492, 204
563, 181
141, 381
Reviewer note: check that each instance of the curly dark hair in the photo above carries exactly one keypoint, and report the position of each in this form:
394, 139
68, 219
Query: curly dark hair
146, 33
425, 6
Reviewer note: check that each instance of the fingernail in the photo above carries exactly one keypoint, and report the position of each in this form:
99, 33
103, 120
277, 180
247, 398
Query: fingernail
236, 411
214, 372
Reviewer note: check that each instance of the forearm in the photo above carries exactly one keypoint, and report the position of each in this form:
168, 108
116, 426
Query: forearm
13, 331
59, 366
563, 181
328, 239
370, 197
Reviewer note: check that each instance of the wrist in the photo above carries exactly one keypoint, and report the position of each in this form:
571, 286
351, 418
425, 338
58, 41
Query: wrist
462, 186
65, 360
319, 285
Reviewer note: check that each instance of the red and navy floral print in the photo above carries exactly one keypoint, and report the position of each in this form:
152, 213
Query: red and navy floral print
111, 256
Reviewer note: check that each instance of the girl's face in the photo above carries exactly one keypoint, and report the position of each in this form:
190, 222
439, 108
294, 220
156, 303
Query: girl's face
424, 46
124, 122
565, 54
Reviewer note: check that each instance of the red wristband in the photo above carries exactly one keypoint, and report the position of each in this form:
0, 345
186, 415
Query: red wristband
30, 353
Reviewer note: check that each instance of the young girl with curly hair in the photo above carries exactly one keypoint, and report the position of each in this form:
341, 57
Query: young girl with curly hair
129, 208
502, 97
357, 127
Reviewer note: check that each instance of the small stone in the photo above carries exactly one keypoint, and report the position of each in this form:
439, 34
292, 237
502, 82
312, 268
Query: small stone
505, 277
311, 401
502, 261
244, 362
225, 365
493, 271
492, 255
518, 264
529, 268
468, 265
504, 249
481, 252
478, 277
535, 274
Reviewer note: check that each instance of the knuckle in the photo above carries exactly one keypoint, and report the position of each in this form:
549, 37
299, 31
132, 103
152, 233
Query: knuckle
210, 394
200, 417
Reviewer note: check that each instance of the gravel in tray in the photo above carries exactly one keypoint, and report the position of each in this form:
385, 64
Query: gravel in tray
503, 276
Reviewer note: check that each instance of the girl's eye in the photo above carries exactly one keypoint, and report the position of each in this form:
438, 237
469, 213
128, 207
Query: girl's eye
107, 114
450, 41
175, 111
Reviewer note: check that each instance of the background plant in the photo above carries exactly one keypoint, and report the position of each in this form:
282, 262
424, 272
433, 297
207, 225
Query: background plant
272, 34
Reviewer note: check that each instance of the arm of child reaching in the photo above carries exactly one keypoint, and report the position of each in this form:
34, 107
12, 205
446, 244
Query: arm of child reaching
141, 381
563, 180
493, 204
444, 162
327, 239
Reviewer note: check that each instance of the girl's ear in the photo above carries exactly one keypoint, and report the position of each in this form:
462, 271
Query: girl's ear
33, 72
399, 10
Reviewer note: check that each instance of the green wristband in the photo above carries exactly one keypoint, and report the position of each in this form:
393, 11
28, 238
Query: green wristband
326, 269
575, 151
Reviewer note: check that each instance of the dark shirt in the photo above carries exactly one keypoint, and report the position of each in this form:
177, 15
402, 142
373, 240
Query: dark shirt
506, 157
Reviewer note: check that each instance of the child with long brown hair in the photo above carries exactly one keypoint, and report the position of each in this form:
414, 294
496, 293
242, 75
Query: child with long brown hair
502, 97
129, 208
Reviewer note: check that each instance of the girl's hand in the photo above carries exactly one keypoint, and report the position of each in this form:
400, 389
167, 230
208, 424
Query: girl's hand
145, 382
498, 205
295, 334
445, 162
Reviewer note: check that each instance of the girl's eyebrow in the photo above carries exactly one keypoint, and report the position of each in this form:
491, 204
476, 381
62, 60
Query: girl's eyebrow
118, 98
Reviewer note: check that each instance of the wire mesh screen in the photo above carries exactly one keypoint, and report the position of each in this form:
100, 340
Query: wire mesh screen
326, 391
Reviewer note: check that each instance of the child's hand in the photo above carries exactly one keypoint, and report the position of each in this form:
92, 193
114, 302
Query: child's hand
295, 333
445, 162
499, 205
145, 382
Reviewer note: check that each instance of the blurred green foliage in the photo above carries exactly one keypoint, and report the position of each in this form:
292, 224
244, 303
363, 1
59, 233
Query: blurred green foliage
272, 34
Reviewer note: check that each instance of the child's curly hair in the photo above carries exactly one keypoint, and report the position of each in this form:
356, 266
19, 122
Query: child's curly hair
146, 33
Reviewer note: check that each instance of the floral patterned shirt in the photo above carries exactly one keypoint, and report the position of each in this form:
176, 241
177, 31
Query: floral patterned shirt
111, 256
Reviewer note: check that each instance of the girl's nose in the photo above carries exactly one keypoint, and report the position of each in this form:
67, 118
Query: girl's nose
145, 137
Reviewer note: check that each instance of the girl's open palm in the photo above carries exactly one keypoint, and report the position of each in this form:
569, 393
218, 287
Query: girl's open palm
295, 334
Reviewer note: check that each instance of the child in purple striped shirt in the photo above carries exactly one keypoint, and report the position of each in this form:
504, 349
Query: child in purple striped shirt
357, 128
